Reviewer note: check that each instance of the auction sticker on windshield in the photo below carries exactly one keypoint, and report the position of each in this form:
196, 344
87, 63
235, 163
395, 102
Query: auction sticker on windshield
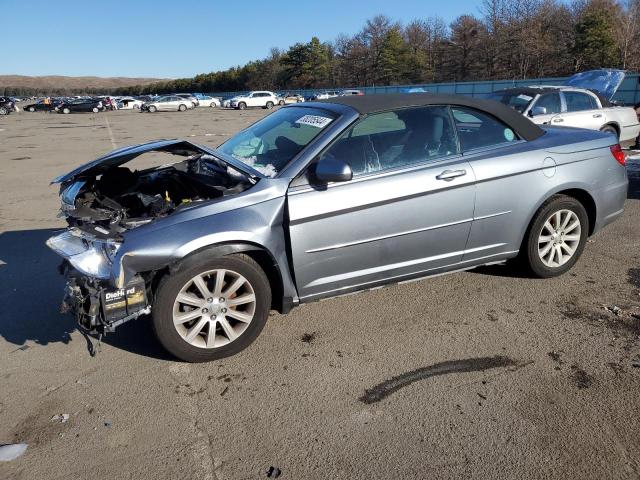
314, 120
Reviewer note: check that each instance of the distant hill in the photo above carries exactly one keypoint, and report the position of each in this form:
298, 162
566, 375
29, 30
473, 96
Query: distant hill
55, 83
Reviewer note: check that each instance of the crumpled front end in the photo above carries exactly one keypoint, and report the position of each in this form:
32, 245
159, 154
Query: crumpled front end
97, 306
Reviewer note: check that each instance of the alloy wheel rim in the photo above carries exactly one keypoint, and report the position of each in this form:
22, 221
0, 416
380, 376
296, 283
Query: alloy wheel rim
559, 238
214, 308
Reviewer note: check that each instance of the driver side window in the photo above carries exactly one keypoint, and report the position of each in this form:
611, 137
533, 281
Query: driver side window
395, 138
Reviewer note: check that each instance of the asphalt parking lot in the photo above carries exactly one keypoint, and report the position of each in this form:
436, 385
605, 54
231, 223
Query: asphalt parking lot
483, 374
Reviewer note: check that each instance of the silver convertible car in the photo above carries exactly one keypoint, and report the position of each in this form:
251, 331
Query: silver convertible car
322, 199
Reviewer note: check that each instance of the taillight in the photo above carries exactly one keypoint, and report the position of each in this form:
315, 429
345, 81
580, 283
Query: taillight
618, 154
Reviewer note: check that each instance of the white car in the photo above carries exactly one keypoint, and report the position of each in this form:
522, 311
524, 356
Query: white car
583, 102
207, 101
167, 103
327, 94
188, 96
264, 99
129, 103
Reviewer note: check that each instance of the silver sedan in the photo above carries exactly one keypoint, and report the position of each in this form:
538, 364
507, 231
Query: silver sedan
323, 199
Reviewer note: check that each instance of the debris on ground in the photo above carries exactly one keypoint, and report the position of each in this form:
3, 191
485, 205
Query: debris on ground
581, 378
12, 451
61, 417
616, 310
273, 472
108, 423
308, 337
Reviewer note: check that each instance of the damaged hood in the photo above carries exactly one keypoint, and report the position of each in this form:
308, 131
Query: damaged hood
123, 155
605, 81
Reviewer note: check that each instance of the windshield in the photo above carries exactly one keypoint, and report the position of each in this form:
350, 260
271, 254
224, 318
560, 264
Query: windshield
517, 101
269, 144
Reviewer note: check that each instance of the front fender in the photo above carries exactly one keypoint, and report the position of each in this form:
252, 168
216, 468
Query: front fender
152, 249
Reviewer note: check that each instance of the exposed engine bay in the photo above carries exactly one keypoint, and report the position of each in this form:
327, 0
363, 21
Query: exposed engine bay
119, 199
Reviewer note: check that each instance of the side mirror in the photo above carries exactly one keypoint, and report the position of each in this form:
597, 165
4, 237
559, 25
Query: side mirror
537, 111
330, 169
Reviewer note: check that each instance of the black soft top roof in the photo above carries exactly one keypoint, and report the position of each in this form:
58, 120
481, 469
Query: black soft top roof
365, 104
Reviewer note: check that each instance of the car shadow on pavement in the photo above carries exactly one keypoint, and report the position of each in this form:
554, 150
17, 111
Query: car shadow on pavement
31, 290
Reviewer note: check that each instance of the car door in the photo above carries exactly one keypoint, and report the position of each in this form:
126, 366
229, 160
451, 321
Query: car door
550, 103
581, 110
507, 174
406, 212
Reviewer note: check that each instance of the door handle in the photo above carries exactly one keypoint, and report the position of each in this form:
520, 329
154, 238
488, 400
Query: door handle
597, 115
449, 175
558, 120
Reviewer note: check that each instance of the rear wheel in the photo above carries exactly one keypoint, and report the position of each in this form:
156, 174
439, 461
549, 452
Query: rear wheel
31, 109
213, 105
65, 110
212, 307
96, 109
4, 111
556, 237
269, 105
182, 108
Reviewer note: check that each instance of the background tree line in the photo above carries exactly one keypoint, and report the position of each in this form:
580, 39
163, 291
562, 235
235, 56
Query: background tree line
507, 39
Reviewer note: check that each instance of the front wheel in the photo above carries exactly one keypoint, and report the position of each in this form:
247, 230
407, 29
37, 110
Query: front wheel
4, 111
31, 109
152, 109
269, 105
213, 105
66, 110
242, 106
211, 307
556, 236
95, 109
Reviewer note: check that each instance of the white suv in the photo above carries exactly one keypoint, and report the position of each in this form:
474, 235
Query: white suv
262, 99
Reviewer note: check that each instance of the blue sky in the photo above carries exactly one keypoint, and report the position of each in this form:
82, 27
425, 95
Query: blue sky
146, 38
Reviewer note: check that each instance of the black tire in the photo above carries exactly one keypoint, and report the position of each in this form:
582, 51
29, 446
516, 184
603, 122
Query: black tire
182, 108
242, 106
66, 111
281, 102
31, 109
213, 105
610, 129
171, 285
95, 109
269, 105
152, 109
4, 111
529, 254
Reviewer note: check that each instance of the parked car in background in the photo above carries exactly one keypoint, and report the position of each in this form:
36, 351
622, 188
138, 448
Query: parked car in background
129, 103
7, 105
326, 94
43, 106
80, 105
351, 92
262, 99
190, 97
319, 200
573, 106
208, 101
167, 103
290, 98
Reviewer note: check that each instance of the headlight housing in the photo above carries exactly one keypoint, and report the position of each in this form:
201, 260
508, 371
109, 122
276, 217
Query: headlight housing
92, 257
